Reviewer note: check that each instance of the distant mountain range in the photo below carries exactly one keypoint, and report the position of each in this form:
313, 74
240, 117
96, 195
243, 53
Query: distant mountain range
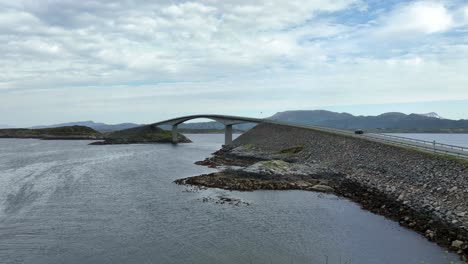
387, 122
101, 127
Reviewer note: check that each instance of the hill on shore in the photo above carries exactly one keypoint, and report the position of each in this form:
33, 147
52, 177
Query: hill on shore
67, 132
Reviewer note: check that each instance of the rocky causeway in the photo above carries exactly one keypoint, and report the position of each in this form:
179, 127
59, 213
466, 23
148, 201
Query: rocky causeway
424, 192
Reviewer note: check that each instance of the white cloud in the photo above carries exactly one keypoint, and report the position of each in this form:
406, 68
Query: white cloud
465, 14
414, 61
418, 17
154, 42
288, 53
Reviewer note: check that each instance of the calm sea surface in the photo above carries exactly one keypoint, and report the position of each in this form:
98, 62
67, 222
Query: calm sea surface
451, 139
68, 202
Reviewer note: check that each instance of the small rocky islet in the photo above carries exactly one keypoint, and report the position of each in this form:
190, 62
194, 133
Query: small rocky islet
424, 192
147, 134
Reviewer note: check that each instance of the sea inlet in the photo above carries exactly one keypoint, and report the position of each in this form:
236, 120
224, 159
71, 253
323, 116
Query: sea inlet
69, 202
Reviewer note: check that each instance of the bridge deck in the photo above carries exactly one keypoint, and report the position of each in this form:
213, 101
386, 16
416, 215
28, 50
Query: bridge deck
228, 121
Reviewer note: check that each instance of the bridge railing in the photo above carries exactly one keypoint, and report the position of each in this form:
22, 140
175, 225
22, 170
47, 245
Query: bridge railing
432, 143
427, 146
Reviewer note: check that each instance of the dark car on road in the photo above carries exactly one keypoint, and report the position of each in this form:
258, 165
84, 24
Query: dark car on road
359, 132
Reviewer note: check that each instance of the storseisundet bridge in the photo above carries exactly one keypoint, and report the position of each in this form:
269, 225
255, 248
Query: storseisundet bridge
229, 121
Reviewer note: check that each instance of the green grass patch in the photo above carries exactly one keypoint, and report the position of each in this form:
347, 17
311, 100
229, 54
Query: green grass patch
292, 150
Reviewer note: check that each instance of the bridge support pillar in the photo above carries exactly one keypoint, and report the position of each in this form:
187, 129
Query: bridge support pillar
227, 134
174, 134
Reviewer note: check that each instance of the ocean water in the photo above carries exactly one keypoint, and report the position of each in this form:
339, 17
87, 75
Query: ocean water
68, 202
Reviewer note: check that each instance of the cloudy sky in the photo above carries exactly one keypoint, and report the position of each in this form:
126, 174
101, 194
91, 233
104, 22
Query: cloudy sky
143, 61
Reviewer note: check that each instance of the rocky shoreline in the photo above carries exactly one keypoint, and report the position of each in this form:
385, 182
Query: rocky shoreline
294, 166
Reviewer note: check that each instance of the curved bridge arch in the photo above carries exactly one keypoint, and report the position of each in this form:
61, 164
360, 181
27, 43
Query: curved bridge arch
227, 120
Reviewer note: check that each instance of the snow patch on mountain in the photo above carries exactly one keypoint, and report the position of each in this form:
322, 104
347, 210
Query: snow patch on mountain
432, 114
